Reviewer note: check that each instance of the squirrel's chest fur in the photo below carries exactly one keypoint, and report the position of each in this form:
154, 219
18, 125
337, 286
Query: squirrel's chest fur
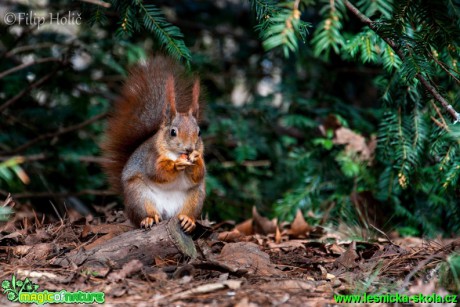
169, 198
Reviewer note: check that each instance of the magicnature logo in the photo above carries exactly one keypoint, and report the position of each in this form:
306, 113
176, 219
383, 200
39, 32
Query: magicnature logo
12, 288
25, 291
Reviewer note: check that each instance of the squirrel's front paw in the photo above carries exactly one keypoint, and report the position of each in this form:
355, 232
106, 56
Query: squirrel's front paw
181, 164
187, 223
149, 221
194, 156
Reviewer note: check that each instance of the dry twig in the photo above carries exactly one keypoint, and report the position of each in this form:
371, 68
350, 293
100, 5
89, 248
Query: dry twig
58, 133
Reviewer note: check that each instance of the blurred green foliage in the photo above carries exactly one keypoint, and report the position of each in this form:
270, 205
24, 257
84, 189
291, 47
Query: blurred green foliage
283, 80
450, 273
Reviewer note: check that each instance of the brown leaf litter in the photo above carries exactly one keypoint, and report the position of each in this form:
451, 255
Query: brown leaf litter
256, 263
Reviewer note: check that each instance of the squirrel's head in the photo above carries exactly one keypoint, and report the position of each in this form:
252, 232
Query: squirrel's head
180, 130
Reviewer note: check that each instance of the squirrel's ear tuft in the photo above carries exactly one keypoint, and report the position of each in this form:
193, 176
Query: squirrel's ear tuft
194, 108
170, 97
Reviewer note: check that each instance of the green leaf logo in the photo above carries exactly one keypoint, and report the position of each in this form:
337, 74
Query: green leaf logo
13, 288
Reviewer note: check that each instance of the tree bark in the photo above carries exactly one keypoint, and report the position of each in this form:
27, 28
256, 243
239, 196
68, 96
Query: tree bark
164, 240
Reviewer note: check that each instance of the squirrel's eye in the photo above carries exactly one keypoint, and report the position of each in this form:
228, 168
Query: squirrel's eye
199, 132
173, 132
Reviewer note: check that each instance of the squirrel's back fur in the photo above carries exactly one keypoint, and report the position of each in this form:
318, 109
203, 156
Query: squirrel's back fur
138, 113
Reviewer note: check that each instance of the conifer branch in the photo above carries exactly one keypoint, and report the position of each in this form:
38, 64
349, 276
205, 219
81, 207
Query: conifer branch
282, 26
428, 86
168, 35
446, 69
435, 107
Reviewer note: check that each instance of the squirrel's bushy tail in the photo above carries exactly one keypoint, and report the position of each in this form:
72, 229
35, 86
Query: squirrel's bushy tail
138, 113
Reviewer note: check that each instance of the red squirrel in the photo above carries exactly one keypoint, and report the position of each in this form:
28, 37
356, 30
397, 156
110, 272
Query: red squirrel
153, 145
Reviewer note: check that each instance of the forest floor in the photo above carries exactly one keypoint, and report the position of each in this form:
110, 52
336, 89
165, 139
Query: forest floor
255, 263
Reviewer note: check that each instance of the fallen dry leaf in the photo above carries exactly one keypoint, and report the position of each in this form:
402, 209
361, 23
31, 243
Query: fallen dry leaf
288, 245
410, 242
262, 225
323, 271
330, 276
336, 249
317, 232
39, 236
127, 270
299, 227
245, 258
16, 235
348, 259
231, 236
245, 227
32, 252
355, 143
277, 235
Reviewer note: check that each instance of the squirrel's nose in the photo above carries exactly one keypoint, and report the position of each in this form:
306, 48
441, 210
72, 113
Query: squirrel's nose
189, 150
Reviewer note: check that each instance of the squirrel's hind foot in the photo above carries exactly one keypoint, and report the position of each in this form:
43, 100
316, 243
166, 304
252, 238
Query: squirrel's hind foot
187, 223
148, 222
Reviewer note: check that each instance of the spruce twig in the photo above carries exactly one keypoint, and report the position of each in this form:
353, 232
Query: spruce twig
439, 114
426, 83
